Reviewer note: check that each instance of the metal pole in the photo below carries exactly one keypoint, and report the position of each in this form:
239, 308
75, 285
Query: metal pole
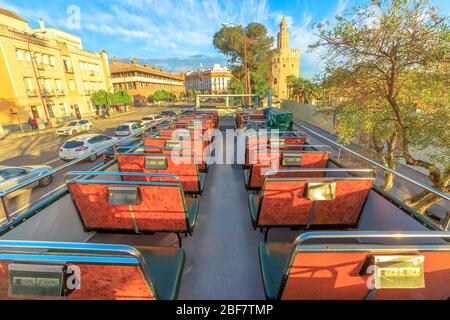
44, 105
5, 208
246, 69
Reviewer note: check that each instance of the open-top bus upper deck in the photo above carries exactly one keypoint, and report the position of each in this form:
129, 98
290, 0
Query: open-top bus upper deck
202, 211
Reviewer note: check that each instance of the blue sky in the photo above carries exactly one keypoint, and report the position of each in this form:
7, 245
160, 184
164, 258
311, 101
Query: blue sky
178, 33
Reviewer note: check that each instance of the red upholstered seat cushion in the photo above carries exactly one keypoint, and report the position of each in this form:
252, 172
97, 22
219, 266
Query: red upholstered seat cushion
286, 203
335, 275
98, 282
283, 203
155, 142
346, 208
161, 208
183, 167
264, 158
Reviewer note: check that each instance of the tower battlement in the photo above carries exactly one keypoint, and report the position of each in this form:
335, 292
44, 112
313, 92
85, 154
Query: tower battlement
285, 62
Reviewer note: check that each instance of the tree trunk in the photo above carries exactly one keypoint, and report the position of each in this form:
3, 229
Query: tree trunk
388, 159
389, 181
422, 201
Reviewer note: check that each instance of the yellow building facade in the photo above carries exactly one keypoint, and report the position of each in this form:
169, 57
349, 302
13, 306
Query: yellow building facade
64, 74
144, 80
285, 62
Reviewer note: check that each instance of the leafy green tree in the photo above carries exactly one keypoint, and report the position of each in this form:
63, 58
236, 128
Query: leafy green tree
163, 95
99, 98
388, 64
121, 97
230, 41
235, 86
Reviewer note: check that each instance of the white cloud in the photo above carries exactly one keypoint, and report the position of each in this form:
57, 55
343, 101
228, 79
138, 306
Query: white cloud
169, 28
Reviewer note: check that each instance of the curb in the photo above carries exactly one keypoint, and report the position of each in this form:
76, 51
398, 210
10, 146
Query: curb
20, 135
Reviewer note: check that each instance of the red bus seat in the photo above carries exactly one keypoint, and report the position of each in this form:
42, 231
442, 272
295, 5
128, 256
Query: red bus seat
285, 202
254, 176
182, 166
104, 272
336, 271
255, 142
189, 146
159, 206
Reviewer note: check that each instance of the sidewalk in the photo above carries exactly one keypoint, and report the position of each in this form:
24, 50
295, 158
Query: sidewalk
18, 135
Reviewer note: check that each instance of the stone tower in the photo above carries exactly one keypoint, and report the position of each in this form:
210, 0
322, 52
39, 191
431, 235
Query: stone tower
285, 62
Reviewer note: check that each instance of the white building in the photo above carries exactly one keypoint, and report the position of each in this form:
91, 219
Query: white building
213, 80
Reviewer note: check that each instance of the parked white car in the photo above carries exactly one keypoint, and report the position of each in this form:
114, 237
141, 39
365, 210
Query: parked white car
127, 129
151, 119
74, 127
83, 145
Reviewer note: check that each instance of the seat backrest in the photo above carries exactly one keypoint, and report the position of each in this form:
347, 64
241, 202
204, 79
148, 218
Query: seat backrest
194, 147
288, 202
159, 205
206, 122
243, 118
111, 275
182, 166
340, 274
309, 160
254, 144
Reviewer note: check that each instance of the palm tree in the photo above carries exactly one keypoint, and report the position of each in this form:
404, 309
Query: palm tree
290, 84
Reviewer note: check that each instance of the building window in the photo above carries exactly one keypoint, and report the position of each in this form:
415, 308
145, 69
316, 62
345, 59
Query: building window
72, 85
28, 82
37, 58
275, 81
52, 61
67, 65
28, 56
58, 85
45, 59
62, 110
51, 110
19, 54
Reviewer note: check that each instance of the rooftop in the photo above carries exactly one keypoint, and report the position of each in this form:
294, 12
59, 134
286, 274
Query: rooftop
117, 66
11, 15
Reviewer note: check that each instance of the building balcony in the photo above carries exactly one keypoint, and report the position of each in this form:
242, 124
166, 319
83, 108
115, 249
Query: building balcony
31, 92
41, 66
60, 93
49, 93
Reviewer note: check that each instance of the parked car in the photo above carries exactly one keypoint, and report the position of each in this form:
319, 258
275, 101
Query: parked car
74, 127
151, 119
83, 145
168, 113
127, 129
12, 176
165, 124
109, 153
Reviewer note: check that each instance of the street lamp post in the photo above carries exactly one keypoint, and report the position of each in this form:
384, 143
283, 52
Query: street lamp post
41, 94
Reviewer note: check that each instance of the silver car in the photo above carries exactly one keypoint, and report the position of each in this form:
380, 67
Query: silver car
12, 176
